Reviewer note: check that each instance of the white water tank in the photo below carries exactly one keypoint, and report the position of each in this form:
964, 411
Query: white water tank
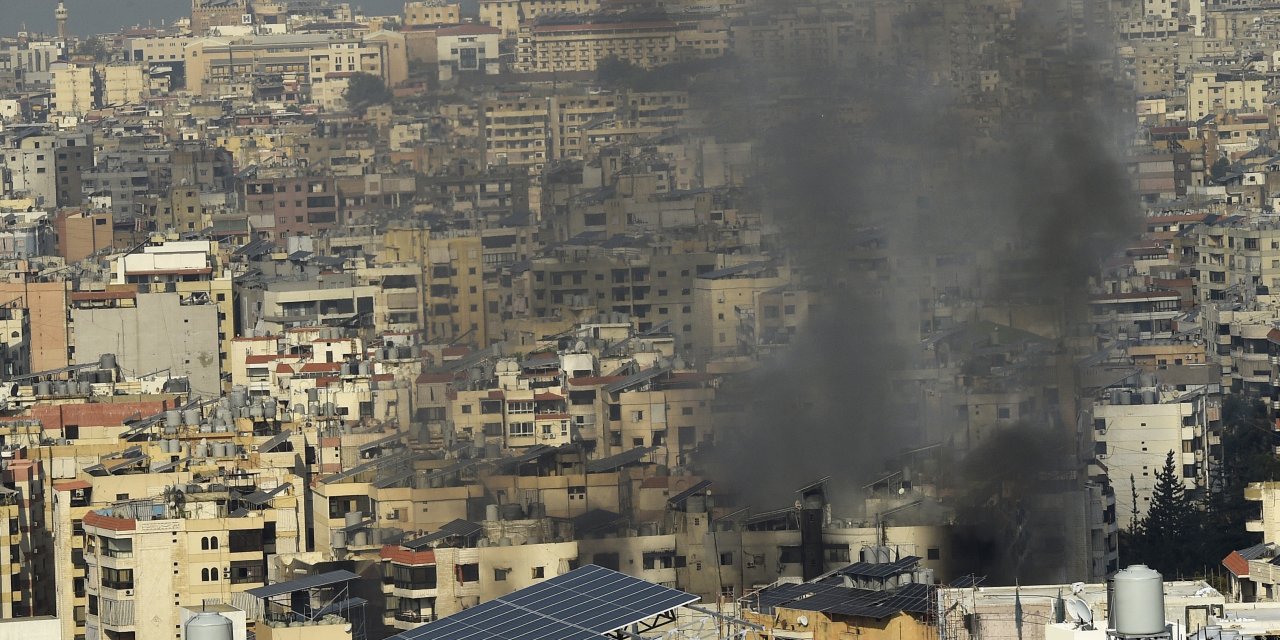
207, 625
1139, 602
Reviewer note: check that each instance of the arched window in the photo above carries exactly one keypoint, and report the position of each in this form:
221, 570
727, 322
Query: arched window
204, 543
204, 575
213, 542
213, 574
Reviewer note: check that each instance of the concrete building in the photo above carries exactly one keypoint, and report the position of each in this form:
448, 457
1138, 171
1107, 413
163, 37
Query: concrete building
580, 45
146, 552
1210, 91
151, 332
467, 48
76, 89
430, 12
80, 234
1136, 427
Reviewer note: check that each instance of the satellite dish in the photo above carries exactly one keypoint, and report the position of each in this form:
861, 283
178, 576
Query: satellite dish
1079, 612
803, 621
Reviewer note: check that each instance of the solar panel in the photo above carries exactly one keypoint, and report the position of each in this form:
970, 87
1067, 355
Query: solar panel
302, 584
584, 604
459, 527
620, 460
679, 498
275, 441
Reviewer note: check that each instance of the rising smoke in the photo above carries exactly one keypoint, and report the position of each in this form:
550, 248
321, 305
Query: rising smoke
875, 170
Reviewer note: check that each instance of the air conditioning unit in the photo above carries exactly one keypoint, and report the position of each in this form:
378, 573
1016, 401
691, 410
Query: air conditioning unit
393, 516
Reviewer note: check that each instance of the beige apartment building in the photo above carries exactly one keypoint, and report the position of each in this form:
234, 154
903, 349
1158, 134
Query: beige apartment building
1210, 91
123, 84
73, 89
508, 15
452, 281
431, 12
580, 46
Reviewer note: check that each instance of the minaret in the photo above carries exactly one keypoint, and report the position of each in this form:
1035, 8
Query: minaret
61, 14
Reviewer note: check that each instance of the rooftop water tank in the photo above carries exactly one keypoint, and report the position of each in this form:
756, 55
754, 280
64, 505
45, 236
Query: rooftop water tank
107, 361
207, 625
1139, 602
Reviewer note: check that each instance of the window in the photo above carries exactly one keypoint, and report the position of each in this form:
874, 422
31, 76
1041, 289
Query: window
686, 411
934, 554
726, 558
578, 492
117, 578
519, 429
466, 408
248, 571
245, 540
539, 573
500, 575
406, 577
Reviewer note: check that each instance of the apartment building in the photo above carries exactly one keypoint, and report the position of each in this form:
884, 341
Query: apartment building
80, 234
508, 15
76, 89
26, 563
516, 132
192, 269
184, 548
280, 207
1210, 91
580, 45
452, 279
149, 333
445, 571
1237, 260
1134, 428
430, 12
725, 301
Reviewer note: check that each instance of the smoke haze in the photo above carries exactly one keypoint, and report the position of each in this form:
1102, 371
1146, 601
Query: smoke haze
875, 170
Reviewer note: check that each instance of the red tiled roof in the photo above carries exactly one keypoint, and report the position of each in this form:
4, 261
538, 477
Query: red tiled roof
402, 555
321, 367
433, 378
655, 482
547, 396
284, 368
454, 351
69, 485
260, 358
1236, 564
95, 519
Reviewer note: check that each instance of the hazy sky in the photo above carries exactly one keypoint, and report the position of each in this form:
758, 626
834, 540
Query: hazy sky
97, 16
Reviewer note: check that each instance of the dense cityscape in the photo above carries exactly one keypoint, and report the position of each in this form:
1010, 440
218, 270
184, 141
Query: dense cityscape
640, 319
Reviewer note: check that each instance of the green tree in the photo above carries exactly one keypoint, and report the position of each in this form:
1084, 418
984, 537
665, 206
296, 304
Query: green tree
1168, 536
1219, 168
1248, 452
94, 48
365, 90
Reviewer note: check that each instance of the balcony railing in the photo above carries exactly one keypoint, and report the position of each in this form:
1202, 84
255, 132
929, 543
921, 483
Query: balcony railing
414, 616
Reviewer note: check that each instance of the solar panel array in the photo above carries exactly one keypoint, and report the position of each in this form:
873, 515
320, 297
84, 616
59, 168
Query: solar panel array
841, 600
881, 569
584, 604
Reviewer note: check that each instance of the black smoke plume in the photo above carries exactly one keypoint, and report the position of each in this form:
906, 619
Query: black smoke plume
920, 146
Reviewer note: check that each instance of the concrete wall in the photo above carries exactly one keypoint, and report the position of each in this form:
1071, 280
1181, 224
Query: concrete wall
158, 334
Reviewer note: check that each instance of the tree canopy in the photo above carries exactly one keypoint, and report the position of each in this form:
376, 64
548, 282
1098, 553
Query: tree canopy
365, 90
